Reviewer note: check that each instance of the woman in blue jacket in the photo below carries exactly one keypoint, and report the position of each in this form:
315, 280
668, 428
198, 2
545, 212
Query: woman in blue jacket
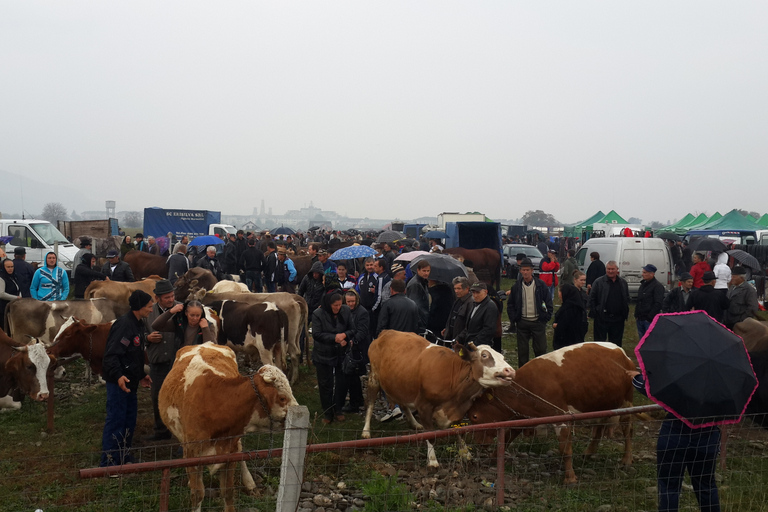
50, 282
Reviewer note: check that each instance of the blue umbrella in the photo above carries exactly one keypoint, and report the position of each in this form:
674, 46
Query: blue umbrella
206, 240
436, 234
352, 252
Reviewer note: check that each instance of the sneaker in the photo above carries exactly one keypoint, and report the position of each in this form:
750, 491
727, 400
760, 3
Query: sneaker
393, 414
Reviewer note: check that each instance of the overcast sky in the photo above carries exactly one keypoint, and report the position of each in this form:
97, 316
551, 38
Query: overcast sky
389, 109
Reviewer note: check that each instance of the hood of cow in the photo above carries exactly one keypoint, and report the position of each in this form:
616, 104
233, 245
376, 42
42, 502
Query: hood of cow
496, 371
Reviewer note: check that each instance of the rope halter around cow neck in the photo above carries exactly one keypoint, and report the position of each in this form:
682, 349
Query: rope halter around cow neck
520, 390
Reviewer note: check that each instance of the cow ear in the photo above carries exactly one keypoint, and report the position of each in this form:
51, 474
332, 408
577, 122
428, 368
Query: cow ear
462, 351
193, 283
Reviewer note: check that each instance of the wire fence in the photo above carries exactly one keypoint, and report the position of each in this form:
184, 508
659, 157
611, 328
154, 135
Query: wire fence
390, 473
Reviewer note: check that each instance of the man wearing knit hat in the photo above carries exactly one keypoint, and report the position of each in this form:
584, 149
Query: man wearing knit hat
123, 369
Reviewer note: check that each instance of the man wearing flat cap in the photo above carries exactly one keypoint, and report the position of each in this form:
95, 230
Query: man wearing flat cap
481, 325
743, 298
706, 298
650, 299
679, 299
161, 351
123, 369
529, 307
117, 270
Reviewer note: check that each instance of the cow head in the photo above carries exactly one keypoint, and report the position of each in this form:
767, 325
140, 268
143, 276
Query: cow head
29, 368
276, 394
490, 367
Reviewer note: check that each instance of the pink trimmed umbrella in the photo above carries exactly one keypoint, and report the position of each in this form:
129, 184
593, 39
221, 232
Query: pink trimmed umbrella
696, 368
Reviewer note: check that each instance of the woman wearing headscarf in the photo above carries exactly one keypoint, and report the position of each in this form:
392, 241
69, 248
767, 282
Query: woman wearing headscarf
187, 321
126, 246
50, 282
571, 319
9, 287
332, 330
85, 275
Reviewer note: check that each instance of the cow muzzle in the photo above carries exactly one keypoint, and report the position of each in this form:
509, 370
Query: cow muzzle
507, 374
40, 397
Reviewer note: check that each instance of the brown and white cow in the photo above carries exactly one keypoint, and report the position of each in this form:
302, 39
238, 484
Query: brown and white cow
79, 337
295, 308
23, 371
258, 328
585, 377
43, 320
208, 405
436, 381
118, 291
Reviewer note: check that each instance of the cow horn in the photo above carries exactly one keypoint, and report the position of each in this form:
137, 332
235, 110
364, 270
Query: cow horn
471, 346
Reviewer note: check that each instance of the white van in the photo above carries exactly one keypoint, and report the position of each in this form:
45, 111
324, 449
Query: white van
631, 254
38, 237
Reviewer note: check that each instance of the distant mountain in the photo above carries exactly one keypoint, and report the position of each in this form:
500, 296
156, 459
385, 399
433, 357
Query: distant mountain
31, 195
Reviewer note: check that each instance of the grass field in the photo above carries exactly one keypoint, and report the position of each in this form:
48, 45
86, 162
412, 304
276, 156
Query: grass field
40, 470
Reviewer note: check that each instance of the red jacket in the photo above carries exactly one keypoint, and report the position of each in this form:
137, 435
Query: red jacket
697, 271
549, 272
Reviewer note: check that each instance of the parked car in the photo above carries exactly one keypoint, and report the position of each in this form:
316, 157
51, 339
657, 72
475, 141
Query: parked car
510, 251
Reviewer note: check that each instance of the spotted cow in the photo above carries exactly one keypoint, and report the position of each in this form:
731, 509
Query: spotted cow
208, 405
24, 370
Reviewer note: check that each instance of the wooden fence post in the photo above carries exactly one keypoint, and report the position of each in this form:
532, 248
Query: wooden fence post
294, 451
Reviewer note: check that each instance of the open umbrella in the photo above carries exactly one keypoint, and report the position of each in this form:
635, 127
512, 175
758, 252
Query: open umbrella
282, 230
409, 256
705, 244
352, 252
389, 236
206, 240
314, 228
437, 234
696, 369
745, 259
443, 267
668, 235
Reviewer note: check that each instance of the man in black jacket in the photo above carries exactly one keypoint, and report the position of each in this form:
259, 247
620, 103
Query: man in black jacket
596, 269
609, 305
210, 262
418, 291
117, 270
23, 270
462, 307
529, 308
679, 299
481, 324
123, 369
706, 298
399, 312
270, 267
650, 298
252, 263
230, 263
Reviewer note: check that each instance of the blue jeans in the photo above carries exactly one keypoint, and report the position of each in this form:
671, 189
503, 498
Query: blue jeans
253, 281
679, 448
642, 327
119, 426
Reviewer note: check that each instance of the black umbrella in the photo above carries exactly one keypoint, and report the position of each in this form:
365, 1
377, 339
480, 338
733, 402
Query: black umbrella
443, 267
746, 259
705, 244
696, 369
282, 230
668, 235
314, 228
389, 237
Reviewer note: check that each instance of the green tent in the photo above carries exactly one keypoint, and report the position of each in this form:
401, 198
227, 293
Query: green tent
612, 218
576, 229
688, 218
732, 220
698, 225
763, 221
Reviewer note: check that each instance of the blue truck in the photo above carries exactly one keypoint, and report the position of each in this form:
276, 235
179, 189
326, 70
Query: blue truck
161, 221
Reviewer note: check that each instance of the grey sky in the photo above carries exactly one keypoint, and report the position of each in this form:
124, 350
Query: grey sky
390, 109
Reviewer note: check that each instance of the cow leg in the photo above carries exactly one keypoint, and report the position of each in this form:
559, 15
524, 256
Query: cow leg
431, 457
195, 475
597, 434
245, 474
227, 486
566, 450
411, 420
628, 428
372, 395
